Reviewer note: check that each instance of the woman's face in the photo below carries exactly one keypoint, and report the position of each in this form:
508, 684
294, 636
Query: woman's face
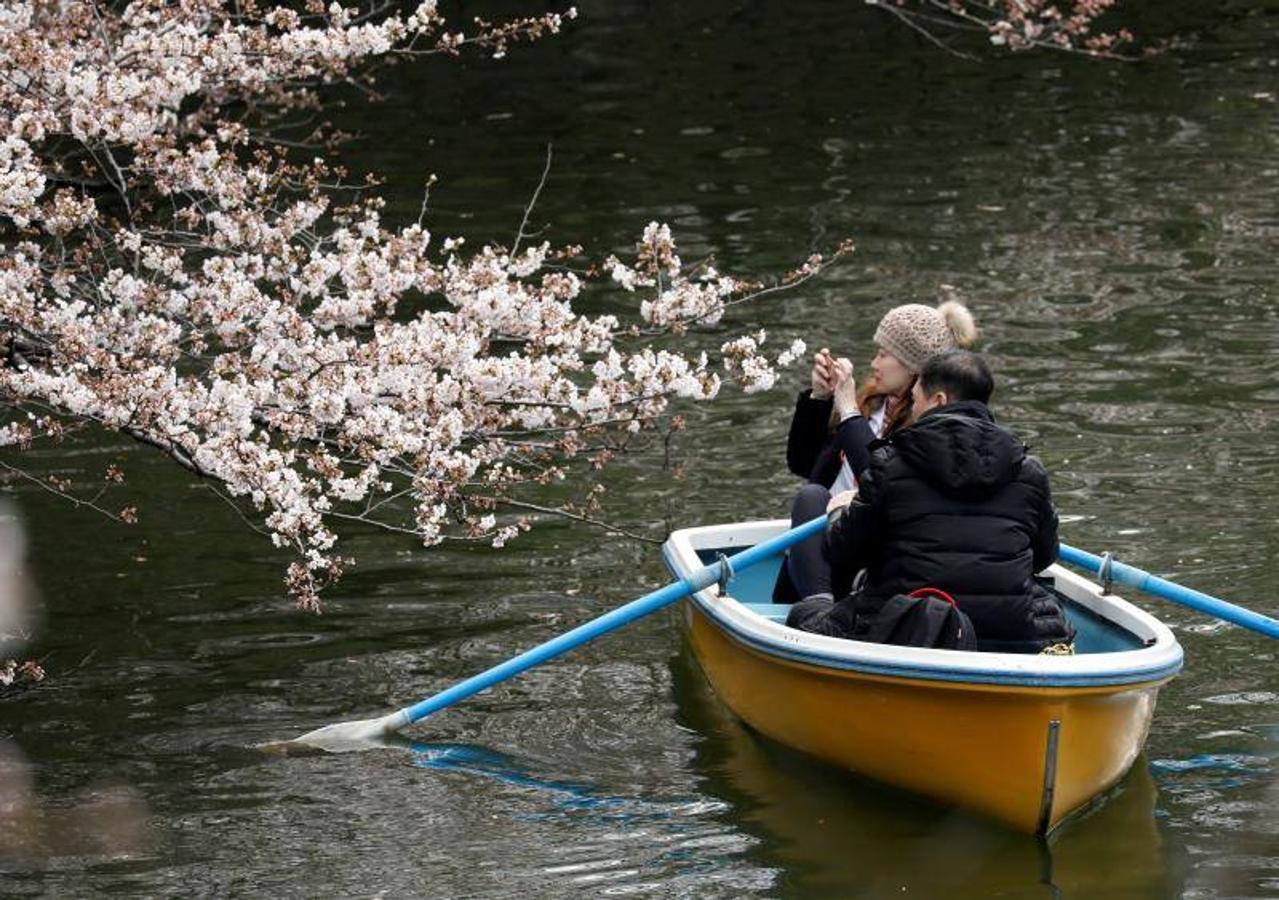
893, 377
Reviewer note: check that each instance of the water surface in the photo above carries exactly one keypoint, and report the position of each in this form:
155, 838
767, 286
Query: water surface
1113, 228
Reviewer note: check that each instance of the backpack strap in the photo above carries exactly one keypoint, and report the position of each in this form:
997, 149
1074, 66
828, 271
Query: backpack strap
966, 635
934, 592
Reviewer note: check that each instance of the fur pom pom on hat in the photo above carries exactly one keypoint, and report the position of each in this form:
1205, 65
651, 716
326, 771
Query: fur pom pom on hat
914, 332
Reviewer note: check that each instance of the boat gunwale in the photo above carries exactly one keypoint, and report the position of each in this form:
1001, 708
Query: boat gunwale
1159, 661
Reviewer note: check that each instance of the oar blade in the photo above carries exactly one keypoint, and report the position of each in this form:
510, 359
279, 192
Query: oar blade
345, 737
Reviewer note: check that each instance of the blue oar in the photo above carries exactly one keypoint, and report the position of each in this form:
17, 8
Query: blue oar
353, 735
1131, 576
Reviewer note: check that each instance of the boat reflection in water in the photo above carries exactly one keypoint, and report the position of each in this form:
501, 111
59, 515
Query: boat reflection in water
832, 834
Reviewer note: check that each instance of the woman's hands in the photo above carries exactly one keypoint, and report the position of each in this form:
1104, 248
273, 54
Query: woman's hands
833, 378
845, 392
823, 375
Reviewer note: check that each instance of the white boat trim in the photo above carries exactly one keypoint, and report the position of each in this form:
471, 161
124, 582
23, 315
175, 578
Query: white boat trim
1160, 659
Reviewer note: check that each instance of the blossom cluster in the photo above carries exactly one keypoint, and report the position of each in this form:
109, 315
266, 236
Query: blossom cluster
13, 673
168, 274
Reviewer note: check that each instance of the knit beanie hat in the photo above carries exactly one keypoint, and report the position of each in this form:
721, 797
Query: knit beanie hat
914, 332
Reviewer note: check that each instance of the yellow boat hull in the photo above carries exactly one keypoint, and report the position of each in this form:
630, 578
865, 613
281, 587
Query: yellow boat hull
990, 748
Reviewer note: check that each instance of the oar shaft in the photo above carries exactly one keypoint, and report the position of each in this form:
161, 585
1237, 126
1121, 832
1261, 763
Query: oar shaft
610, 621
1131, 576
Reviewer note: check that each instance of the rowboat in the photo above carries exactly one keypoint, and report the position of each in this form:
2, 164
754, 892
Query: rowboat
1027, 740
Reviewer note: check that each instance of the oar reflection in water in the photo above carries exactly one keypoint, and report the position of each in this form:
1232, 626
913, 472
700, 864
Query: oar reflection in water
675, 847
499, 767
1239, 773
566, 796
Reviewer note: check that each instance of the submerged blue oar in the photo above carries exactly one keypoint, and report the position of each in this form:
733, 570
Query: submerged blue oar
1131, 576
353, 735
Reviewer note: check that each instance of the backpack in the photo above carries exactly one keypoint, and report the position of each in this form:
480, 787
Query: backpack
927, 617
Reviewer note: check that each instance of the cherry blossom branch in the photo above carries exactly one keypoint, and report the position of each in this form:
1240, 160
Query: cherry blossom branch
1063, 25
169, 449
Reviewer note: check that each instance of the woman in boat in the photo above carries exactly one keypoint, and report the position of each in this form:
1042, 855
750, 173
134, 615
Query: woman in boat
952, 502
834, 424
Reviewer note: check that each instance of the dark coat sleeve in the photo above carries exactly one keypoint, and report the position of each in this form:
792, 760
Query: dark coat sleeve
809, 430
853, 439
852, 534
1045, 544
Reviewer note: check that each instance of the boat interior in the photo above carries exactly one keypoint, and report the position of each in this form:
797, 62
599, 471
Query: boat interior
753, 588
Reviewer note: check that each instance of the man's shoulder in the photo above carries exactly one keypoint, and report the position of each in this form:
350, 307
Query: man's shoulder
886, 465
1033, 470
882, 451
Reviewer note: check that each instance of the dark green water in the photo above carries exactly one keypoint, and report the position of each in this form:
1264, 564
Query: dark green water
1113, 227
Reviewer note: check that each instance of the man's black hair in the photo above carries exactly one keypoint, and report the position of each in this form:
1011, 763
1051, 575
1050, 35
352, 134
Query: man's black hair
959, 374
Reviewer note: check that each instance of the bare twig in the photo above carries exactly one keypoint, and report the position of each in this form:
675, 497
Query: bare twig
72, 498
909, 21
230, 501
532, 202
563, 513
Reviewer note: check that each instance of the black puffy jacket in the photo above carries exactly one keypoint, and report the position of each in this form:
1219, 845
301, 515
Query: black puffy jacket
954, 502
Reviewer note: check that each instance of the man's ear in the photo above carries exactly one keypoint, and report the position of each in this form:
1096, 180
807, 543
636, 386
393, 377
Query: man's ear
937, 398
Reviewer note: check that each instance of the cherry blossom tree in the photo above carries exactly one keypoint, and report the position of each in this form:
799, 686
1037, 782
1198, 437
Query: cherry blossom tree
177, 270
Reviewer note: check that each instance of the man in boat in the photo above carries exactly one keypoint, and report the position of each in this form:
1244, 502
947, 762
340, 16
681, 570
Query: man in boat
952, 502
